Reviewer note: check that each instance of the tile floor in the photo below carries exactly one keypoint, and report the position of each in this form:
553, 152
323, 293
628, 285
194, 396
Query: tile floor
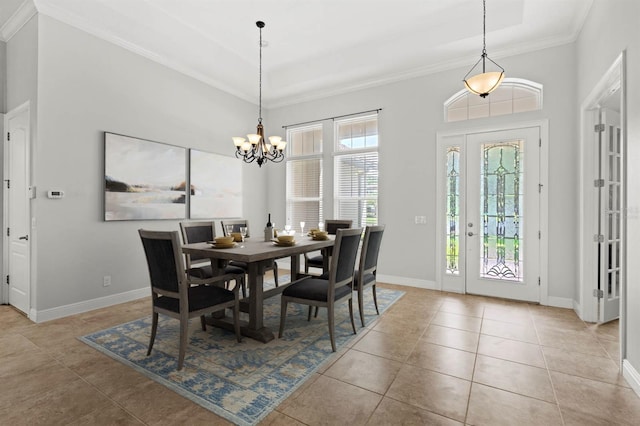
432, 358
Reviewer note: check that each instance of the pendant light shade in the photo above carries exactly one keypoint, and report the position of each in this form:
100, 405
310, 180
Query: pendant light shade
484, 82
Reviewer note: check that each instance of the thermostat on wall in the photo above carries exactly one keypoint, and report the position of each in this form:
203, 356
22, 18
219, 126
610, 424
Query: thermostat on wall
55, 194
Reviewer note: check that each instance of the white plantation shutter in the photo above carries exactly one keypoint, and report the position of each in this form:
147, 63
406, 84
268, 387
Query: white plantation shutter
356, 170
304, 176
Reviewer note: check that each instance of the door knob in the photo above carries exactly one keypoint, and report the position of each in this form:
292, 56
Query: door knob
471, 234
24, 237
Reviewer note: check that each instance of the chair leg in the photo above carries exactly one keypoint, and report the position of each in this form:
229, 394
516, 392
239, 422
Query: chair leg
236, 320
353, 324
310, 310
275, 273
283, 314
243, 284
361, 305
375, 298
331, 327
184, 336
203, 322
154, 328
317, 309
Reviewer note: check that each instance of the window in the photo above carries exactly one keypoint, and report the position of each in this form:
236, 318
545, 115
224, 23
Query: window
356, 170
514, 95
304, 176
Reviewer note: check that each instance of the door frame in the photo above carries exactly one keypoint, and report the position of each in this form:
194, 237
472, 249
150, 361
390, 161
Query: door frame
587, 305
25, 107
440, 251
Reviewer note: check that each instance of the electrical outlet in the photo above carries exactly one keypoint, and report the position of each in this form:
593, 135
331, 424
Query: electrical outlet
106, 281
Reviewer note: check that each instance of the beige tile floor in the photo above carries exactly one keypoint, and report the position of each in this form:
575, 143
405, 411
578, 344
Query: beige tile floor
432, 358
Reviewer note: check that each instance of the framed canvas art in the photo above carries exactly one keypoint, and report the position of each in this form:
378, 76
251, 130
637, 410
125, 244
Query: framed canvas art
143, 179
216, 186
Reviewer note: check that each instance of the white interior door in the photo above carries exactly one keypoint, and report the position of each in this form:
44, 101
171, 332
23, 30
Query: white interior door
609, 241
18, 213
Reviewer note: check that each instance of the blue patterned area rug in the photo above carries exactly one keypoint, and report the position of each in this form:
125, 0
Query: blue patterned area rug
242, 382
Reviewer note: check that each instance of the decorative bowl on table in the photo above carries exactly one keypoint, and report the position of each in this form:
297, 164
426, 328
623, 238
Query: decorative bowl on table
285, 240
223, 240
320, 235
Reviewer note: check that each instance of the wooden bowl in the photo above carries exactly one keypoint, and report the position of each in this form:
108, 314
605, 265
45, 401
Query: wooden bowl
224, 240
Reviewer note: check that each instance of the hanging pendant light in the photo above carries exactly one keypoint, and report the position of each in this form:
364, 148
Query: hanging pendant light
256, 148
486, 82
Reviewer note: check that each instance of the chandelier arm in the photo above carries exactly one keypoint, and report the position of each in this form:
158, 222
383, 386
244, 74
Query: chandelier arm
494, 63
473, 67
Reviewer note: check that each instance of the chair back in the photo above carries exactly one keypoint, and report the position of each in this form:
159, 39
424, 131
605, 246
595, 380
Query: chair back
164, 259
237, 224
197, 232
332, 225
370, 249
343, 259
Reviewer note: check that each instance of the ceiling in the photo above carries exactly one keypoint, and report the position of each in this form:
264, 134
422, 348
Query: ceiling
316, 48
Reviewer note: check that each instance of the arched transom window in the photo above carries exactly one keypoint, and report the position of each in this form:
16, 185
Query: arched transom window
514, 95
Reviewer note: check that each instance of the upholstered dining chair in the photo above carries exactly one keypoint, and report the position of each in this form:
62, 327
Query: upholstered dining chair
365, 275
173, 295
331, 226
199, 269
237, 224
326, 293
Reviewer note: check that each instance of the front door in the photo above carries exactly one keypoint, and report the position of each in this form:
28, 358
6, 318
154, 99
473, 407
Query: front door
18, 213
491, 213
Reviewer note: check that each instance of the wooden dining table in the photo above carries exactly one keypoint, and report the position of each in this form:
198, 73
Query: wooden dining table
258, 254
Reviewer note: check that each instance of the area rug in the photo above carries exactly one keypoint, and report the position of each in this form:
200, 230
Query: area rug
242, 382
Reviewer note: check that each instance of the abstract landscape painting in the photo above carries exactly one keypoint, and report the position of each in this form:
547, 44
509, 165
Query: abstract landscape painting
143, 179
216, 186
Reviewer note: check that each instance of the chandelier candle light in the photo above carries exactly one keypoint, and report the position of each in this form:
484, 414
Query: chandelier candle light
486, 82
256, 148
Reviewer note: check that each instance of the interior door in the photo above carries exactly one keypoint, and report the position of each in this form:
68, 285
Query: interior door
609, 239
502, 226
18, 213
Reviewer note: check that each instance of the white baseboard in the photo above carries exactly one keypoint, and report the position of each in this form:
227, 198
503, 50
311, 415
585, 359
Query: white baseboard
410, 282
560, 302
577, 307
631, 375
88, 305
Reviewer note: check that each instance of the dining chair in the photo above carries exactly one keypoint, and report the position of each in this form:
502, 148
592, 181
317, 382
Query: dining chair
237, 224
173, 295
326, 293
331, 226
365, 275
199, 269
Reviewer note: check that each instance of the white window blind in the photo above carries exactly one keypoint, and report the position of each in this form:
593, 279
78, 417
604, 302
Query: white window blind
356, 170
304, 176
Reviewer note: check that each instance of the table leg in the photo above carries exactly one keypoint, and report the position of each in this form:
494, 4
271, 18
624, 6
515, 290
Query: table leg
295, 267
255, 328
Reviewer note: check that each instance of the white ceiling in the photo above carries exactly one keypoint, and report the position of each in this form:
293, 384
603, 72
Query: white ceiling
316, 47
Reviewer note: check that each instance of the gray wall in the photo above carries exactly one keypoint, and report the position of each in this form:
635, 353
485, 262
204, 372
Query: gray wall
88, 86
412, 114
612, 26
3, 77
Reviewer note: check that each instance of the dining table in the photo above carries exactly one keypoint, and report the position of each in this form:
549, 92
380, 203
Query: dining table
258, 255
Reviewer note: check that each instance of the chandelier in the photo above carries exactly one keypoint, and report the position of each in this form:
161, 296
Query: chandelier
486, 82
256, 148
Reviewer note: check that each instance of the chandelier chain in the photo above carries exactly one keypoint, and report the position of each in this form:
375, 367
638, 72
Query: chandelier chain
260, 83
484, 27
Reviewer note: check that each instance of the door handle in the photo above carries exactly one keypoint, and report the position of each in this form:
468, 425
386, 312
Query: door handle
24, 237
471, 234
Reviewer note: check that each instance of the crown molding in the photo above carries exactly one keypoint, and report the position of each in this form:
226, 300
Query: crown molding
21, 16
